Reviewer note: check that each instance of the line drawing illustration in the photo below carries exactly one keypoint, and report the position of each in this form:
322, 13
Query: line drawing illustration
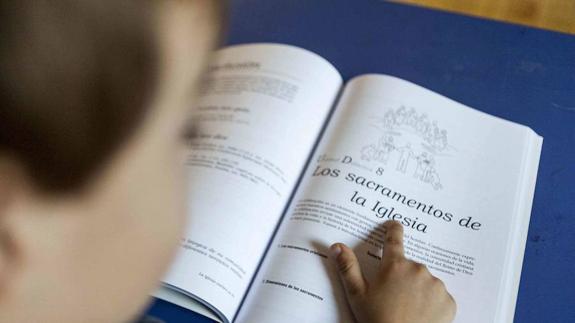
410, 143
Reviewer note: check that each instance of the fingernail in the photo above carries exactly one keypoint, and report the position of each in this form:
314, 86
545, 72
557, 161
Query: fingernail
335, 250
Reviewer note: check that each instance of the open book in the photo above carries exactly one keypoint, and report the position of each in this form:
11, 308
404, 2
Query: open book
284, 160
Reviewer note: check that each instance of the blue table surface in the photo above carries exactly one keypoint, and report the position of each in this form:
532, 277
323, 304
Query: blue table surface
518, 73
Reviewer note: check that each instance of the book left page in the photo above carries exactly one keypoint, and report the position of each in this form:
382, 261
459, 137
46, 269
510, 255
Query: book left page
262, 109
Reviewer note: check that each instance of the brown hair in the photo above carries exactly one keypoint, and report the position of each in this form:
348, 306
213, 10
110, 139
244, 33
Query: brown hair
75, 77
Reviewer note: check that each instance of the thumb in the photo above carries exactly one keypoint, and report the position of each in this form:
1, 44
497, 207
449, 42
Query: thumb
349, 270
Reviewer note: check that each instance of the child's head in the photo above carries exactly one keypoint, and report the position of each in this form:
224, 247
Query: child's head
94, 97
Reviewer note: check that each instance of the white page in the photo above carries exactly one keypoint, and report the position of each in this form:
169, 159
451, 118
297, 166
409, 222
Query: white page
477, 170
254, 130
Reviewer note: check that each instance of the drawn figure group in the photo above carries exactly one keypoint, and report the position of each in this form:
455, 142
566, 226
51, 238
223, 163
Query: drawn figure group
425, 163
419, 123
381, 152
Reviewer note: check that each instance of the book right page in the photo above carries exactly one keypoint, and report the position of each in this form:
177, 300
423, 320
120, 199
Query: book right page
460, 181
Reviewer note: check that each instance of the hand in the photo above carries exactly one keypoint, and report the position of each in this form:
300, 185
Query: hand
403, 291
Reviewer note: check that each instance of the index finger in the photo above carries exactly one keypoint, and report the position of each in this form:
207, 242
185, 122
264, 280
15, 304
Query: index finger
393, 242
